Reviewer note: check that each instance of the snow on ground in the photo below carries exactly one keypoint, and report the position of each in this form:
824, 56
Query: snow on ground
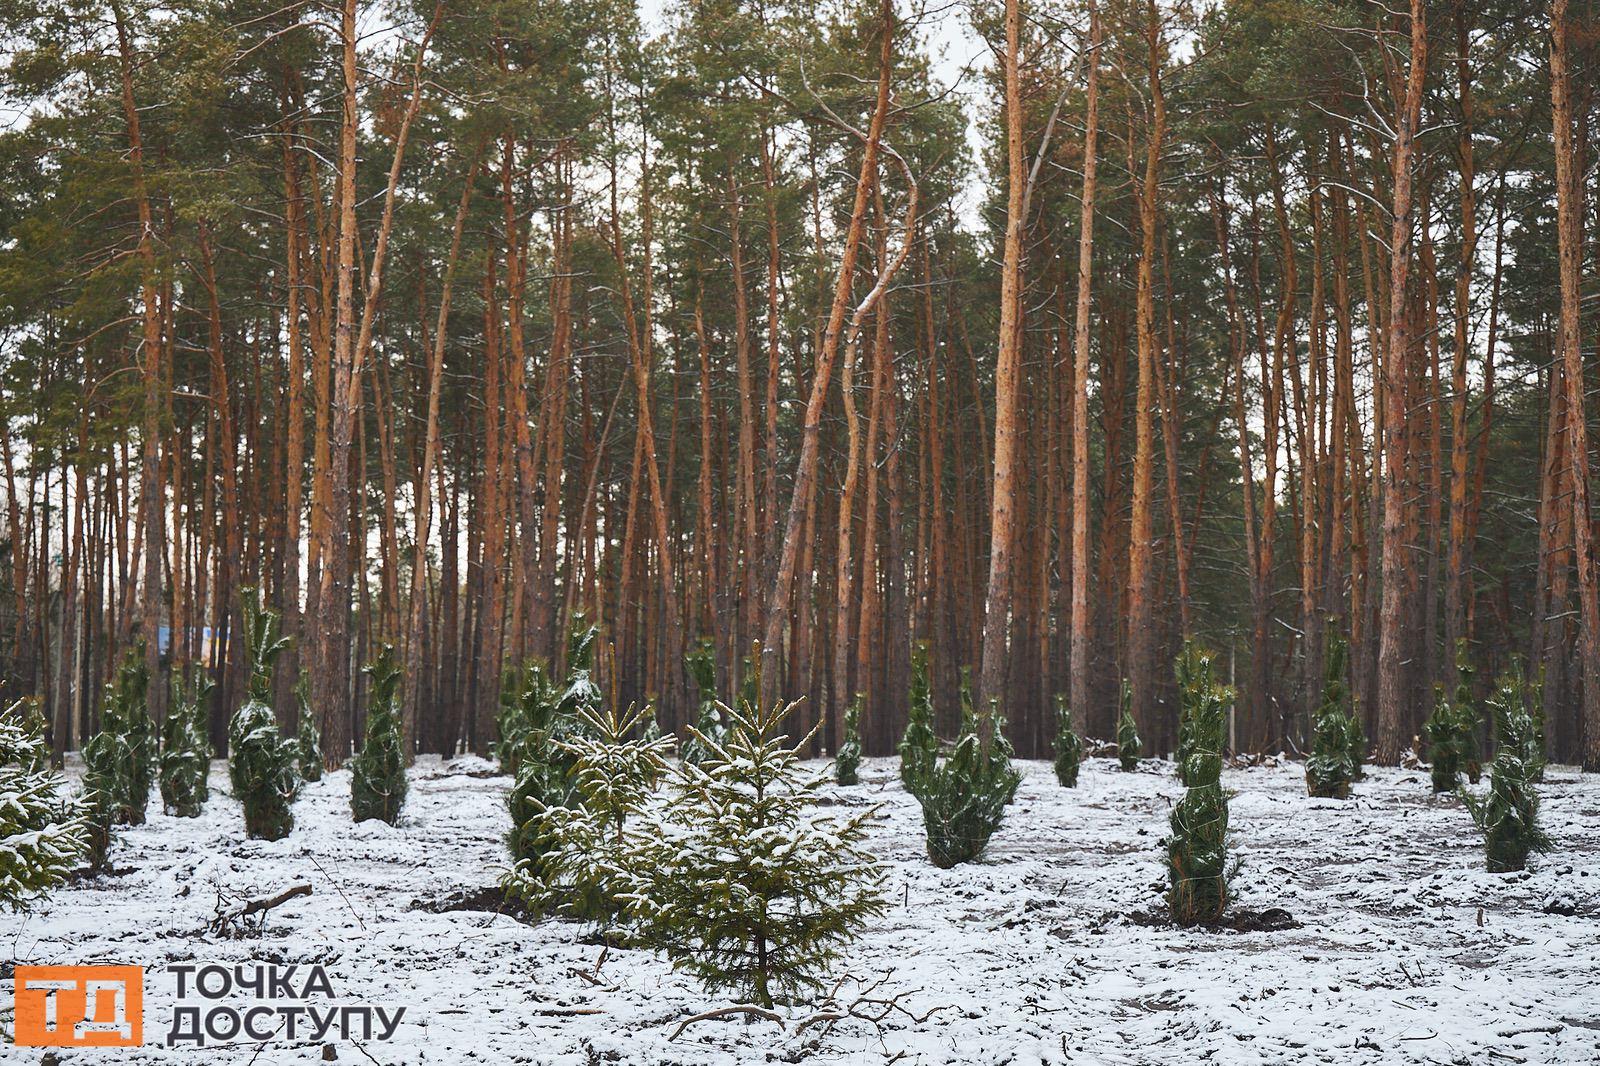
1408, 951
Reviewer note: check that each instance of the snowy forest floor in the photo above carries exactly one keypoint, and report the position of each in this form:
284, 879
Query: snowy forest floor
1052, 949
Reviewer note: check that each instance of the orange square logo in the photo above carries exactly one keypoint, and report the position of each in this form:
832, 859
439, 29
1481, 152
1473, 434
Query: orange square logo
79, 1006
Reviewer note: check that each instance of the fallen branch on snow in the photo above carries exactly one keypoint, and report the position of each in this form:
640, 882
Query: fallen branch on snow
225, 920
746, 1009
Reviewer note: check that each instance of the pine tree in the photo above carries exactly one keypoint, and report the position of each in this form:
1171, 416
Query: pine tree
702, 668
1508, 815
1198, 690
1197, 852
43, 833
1468, 720
964, 797
1533, 699
1442, 731
581, 691
527, 700
119, 760
749, 886
105, 782
378, 772
308, 738
1068, 746
544, 762
919, 745
261, 762
847, 761
1128, 742
1356, 743
589, 849
1330, 767
185, 748
142, 742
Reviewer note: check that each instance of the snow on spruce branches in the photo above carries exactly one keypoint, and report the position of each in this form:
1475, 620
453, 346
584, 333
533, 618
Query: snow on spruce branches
43, 833
748, 886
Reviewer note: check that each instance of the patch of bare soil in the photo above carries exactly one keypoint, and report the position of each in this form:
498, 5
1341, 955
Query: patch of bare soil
1237, 920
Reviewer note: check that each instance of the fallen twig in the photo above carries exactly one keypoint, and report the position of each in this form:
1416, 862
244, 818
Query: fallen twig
259, 905
747, 1010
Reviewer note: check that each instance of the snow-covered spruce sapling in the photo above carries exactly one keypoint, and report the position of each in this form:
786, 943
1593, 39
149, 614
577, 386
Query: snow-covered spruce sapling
581, 691
1068, 745
702, 668
1197, 851
1443, 732
544, 766
919, 745
43, 833
261, 761
591, 850
1200, 699
1127, 732
1534, 701
1356, 742
308, 737
185, 747
118, 760
1330, 767
1516, 695
847, 762
749, 886
1468, 720
1508, 814
378, 772
527, 700
964, 797
124, 713
105, 779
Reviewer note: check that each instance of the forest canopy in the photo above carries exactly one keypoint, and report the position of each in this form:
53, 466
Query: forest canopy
462, 326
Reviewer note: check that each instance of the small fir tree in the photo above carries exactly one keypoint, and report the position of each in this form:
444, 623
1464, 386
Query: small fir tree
1068, 745
749, 886
185, 748
1443, 730
43, 833
308, 738
105, 781
123, 714
847, 762
1330, 767
919, 745
1508, 815
541, 783
1128, 742
527, 700
964, 797
581, 691
545, 764
1468, 720
590, 850
261, 762
1533, 699
378, 772
1197, 852
1198, 690
702, 667
1356, 742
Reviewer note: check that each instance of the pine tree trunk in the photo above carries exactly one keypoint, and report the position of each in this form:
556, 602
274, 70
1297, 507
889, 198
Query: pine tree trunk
1393, 695
1569, 230
1080, 392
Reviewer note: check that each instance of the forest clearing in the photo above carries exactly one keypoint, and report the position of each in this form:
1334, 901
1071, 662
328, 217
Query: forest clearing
1404, 949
